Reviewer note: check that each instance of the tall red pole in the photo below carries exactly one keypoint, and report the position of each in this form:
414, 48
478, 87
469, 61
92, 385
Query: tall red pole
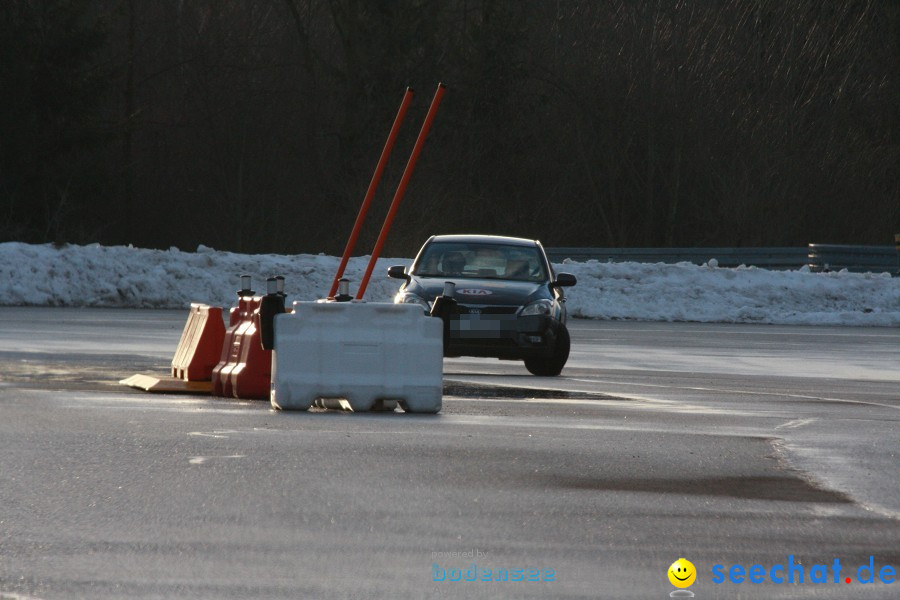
376, 177
401, 189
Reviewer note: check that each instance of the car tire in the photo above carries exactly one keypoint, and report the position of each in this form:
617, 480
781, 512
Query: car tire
553, 366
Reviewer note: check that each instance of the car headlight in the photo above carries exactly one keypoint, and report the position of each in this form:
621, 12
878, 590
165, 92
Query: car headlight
541, 307
410, 298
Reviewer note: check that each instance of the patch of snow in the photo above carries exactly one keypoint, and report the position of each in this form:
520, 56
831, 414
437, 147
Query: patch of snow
124, 276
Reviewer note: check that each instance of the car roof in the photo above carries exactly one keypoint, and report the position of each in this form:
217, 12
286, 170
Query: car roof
484, 239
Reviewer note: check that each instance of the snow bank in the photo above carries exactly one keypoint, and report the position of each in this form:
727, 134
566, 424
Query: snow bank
687, 292
119, 276
103, 276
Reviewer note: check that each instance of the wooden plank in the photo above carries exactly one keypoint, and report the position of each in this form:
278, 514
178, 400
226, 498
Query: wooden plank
165, 384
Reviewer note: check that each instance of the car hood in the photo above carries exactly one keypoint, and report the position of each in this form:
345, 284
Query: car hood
481, 291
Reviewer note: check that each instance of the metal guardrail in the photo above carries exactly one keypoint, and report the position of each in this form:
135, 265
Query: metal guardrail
857, 259
818, 257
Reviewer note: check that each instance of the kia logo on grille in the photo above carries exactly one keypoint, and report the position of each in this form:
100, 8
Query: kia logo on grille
475, 311
474, 292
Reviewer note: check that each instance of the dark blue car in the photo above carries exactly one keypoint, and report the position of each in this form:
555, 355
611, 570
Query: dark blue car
508, 302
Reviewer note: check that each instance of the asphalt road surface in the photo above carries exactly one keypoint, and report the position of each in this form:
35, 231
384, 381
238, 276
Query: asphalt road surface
730, 445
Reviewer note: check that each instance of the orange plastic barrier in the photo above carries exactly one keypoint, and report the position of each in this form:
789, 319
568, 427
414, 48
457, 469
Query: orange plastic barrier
244, 369
200, 344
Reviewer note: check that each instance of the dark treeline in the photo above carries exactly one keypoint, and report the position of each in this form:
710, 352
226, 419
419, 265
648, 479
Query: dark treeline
254, 125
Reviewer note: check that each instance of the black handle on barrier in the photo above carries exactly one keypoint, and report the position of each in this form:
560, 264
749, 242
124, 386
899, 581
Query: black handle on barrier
245, 287
343, 291
270, 305
444, 307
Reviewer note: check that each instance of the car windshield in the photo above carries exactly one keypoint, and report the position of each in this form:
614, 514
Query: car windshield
473, 260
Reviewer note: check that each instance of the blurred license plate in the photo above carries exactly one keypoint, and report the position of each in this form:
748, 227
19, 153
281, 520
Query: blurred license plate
483, 323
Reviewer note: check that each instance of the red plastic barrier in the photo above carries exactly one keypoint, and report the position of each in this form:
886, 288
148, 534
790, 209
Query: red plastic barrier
200, 344
252, 376
239, 318
244, 369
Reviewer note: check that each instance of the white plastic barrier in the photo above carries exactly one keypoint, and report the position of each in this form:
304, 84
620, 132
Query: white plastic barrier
361, 352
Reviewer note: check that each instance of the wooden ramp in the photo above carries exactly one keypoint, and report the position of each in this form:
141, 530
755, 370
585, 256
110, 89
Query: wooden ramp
168, 385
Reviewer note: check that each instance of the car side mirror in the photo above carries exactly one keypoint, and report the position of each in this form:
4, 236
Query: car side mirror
398, 272
565, 280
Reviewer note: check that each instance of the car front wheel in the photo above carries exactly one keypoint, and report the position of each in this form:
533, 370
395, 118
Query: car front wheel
553, 366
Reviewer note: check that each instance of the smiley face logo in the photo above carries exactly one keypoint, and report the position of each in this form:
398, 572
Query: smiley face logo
682, 573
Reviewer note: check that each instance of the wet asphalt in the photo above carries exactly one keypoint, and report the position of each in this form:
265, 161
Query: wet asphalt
729, 445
